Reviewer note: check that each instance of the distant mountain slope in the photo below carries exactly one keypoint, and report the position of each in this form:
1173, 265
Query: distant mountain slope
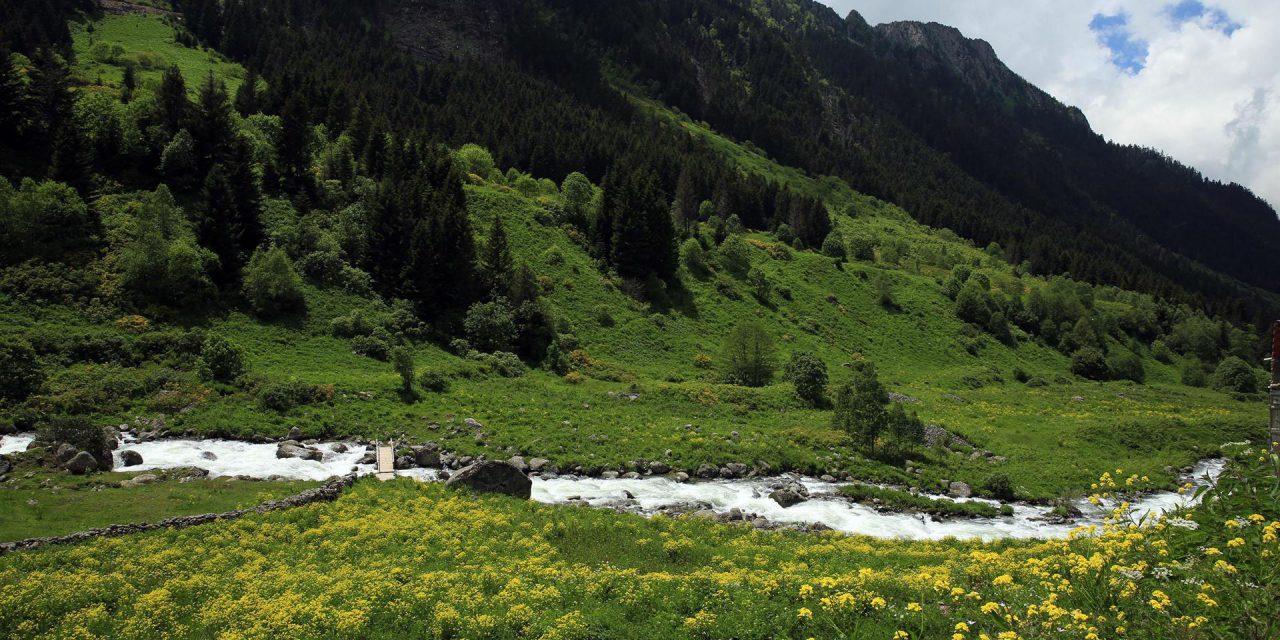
913, 113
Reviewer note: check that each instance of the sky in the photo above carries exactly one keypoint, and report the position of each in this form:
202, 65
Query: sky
1196, 79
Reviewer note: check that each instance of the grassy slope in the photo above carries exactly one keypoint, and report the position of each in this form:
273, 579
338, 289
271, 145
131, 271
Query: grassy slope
149, 44
1053, 440
76, 503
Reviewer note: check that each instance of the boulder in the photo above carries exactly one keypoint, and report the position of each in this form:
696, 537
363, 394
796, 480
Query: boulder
609, 475
141, 479
294, 434
707, 471
208, 455
368, 458
680, 476
427, 458
493, 477
81, 463
403, 462
286, 450
631, 475
659, 468
473, 423
130, 458
338, 447
537, 464
827, 478
5, 465
519, 463
64, 452
790, 494
959, 489
735, 469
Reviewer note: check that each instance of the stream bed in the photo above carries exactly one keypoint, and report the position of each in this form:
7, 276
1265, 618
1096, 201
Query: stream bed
648, 495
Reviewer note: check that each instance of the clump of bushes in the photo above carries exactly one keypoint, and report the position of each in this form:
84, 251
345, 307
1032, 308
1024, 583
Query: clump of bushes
281, 396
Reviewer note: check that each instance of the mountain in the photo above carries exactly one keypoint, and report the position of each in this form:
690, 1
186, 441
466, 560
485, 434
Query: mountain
913, 113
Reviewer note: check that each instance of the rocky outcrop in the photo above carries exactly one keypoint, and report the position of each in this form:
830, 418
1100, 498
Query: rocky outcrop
493, 477
327, 492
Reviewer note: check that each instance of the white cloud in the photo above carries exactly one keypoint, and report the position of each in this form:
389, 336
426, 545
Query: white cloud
1208, 95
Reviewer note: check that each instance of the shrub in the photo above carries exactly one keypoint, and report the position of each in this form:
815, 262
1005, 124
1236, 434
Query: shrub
282, 396
1122, 365
693, 257
1234, 374
491, 326
702, 361
476, 159
735, 255
370, 346
433, 381
759, 284
784, 234
1089, 362
1000, 487
402, 362
809, 375
573, 377
1161, 352
20, 371
749, 356
81, 433
272, 285
884, 291
351, 326
833, 246
503, 363
862, 248
221, 360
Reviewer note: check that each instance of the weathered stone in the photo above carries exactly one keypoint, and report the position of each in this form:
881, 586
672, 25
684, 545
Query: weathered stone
64, 452
631, 475
659, 468
537, 464
338, 447
736, 469
286, 450
519, 463
404, 462
707, 471
473, 423
5, 465
609, 475
493, 477
827, 478
130, 458
208, 455
426, 458
680, 476
145, 478
80, 463
959, 489
294, 434
368, 458
786, 497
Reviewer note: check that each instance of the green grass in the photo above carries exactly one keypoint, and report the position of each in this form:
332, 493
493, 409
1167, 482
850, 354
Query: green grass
76, 503
903, 501
104, 47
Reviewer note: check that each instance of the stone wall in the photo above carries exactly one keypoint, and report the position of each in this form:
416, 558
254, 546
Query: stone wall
327, 492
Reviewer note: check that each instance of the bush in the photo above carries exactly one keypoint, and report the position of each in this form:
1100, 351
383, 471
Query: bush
862, 248
1161, 352
221, 360
1123, 365
284, 395
433, 381
735, 255
503, 363
749, 356
573, 377
784, 234
759, 284
1235, 375
371, 347
20, 371
833, 246
272, 285
1090, 363
809, 375
476, 159
351, 326
1000, 487
693, 257
491, 326
402, 362
81, 433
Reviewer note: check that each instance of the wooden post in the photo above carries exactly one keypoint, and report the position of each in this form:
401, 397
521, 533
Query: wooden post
1274, 390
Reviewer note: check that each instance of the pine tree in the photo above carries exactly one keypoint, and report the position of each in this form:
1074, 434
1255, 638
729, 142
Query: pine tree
10, 99
171, 102
50, 102
211, 130
217, 229
293, 145
495, 261
247, 94
71, 158
128, 83
643, 237
442, 252
684, 209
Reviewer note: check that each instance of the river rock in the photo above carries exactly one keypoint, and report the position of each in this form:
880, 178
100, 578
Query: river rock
287, 450
404, 462
707, 471
130, 458
631, 475
537, 464
790, 494
208, 455
64, 452
5, 465
493, 477
338, 447
519, 463
959, 489
827, 478
368, 458
734, 469
659, 468
81, 463
427, 458
609, 475
680, 476
141, 479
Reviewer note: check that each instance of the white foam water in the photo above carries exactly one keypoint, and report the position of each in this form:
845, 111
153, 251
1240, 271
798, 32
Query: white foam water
235, 458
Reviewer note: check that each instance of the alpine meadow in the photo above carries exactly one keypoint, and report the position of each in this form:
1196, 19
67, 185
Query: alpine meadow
579, 320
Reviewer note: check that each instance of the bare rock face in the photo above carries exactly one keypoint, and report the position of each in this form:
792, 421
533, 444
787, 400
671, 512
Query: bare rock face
493, 477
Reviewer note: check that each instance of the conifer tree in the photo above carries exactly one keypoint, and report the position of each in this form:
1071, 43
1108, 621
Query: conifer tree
643, 237
247, 94
211, 130
293, 145
10, 99
172, 104
495, 261
684, 208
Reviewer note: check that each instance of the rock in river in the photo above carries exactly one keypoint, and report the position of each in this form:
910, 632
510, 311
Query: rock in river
493, 477
130, 458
